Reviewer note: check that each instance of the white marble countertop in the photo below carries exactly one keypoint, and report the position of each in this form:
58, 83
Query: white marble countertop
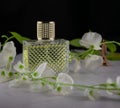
22, 98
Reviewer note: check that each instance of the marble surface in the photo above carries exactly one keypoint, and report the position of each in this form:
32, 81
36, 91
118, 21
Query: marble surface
23, 98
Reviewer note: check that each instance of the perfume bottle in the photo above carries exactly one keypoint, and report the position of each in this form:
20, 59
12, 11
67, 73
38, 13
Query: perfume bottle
46, 49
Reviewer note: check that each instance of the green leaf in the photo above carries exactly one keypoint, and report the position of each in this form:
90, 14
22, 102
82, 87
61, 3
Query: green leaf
75, 42
4, 36
97, 52
111, 47
74, 55
113, 56
19, 38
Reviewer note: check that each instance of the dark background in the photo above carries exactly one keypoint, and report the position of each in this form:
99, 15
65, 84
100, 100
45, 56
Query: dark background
73, 17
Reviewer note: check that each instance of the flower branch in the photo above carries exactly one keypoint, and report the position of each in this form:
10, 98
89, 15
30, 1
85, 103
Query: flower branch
61, 83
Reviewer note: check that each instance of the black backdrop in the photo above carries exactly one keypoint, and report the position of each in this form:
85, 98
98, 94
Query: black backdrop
73, 17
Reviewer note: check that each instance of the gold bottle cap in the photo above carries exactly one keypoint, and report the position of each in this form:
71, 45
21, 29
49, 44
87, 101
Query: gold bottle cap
45, 30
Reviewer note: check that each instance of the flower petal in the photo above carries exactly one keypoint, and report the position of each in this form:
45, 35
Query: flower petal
3, 76
40, 70
118, 81
23, 81
76, 66
92, 62
64, 78
49, 72
109, 81
92, 95
91, 39
20, 67
8, 54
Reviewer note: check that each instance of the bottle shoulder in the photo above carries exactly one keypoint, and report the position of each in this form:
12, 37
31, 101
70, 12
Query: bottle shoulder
39, 42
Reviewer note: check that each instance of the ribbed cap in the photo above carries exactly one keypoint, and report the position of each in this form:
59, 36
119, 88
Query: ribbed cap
45, 30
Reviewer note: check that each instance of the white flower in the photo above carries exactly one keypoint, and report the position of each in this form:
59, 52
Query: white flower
92, 95
109, 81
36, 87
92, 62
76, 66
91, 39
20, 67
8, 54
112, 84
3, 75
67, 79
43, 71
118, 81
39, 71
22, 81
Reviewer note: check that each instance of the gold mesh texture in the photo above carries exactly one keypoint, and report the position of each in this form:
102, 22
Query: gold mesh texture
55, 53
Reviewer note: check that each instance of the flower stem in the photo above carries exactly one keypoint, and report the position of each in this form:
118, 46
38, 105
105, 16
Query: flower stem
107, 42
98, 87
85, 53
7, 40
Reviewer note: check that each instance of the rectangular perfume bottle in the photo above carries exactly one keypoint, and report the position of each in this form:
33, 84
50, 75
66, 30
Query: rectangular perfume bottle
46, 49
